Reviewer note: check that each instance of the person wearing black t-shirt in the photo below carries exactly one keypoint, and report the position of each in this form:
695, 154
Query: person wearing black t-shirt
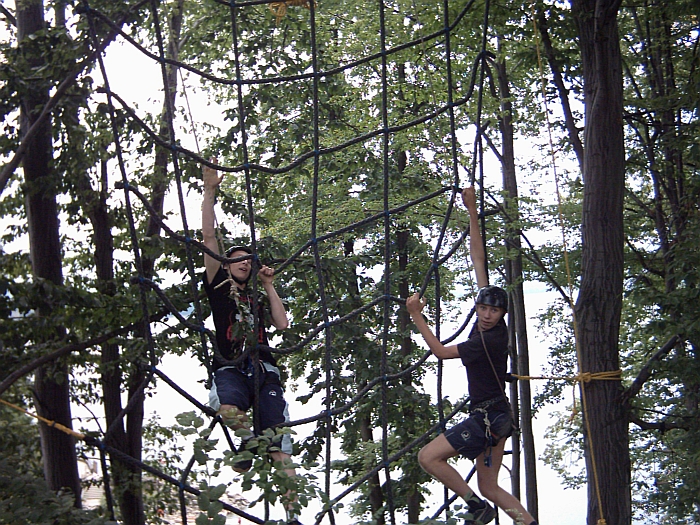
232, 304
482, 436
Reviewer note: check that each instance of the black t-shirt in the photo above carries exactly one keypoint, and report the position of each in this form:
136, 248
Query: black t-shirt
233, 324
483, 384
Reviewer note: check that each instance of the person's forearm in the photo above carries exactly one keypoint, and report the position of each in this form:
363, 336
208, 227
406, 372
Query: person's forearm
277, 311
436, 347
477, 252
476, 243
209, 232
208, 215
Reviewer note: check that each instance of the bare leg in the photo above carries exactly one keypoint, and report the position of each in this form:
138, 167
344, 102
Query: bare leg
285, 459
235, 419
433, 458
487, 478
290, 498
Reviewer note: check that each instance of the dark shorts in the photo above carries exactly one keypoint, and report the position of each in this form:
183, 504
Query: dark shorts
469, 437
233, 387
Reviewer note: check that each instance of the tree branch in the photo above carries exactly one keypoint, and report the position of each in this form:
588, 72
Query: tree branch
75, 347
646, 371
642, 261
9, 168
10, 17
662, 425
549, 52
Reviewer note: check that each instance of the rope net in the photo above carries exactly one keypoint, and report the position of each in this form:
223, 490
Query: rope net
393, 171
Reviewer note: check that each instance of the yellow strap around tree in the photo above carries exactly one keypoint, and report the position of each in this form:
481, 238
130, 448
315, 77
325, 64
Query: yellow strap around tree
582, 377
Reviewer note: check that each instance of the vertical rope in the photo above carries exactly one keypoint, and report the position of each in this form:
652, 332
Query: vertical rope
441, 368
132, 233
169, 98
455, 176
328, 330
205, 358
255, 357
479, 146
189, 111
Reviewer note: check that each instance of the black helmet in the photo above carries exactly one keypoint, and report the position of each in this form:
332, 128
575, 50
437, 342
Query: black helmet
233, 249
493, 296
238, 249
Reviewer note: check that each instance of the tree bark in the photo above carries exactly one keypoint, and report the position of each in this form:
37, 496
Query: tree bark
51, 382
514, 278
96, 208
599, 303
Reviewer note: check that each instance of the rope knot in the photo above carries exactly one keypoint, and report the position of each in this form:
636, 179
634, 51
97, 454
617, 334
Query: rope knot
584, 377
279, 9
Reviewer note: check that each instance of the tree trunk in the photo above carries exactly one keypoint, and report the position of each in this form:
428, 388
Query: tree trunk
95, 207
599, 302
413, 498
132, 498
161, 178
51, 388
376, 498
514, 277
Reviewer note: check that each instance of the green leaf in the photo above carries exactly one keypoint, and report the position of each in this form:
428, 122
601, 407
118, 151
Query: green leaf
203, 501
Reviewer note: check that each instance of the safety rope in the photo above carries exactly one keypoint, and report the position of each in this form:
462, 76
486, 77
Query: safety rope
583, 377
387, 260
